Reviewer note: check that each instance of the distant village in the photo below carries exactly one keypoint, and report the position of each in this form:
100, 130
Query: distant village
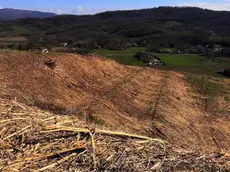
208, 50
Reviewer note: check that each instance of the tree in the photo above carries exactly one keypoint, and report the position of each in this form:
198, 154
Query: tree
70, 42
144, 56
20, 47
153, 48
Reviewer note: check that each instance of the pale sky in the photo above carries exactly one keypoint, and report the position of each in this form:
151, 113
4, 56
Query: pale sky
95, 6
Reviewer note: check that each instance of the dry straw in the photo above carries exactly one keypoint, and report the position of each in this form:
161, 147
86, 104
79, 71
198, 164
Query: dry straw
34, 140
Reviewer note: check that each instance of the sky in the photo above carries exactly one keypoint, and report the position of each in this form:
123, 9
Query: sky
95, 6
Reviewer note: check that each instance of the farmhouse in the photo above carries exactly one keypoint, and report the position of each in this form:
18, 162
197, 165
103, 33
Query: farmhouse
217, 48
155, 62
44, 50
64, 44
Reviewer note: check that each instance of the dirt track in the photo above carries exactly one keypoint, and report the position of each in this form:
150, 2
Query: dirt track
138, 100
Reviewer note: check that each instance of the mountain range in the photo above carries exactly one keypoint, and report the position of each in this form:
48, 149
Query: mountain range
13, 14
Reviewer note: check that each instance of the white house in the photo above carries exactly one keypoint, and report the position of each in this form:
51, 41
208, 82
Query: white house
44, 50
64, 44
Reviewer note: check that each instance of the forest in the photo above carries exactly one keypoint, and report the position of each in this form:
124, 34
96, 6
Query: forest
167, 27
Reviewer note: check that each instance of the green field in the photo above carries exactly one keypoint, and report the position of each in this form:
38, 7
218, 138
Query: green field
6, 41
178, 62
130, 51
13, 39
193, 63
124, 57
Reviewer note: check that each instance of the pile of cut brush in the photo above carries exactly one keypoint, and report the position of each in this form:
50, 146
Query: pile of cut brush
34, 140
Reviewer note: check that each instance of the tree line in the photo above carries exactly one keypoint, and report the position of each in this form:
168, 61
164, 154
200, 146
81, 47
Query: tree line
163, 27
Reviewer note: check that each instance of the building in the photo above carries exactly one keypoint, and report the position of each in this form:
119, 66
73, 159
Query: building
64, 44
44, 50
155, 62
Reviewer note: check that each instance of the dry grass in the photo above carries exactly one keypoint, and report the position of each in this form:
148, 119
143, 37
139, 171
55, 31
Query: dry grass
119, 98
13, 39
34, 140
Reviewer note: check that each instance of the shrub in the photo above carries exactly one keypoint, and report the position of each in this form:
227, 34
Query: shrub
144, 56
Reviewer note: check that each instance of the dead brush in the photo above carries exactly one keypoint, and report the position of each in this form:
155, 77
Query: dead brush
34, 140
50, 63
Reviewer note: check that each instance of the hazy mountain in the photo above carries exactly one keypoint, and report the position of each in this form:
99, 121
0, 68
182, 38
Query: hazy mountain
13, 14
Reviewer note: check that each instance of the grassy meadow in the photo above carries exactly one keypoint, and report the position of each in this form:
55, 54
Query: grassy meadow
179, 62
124, 56
194, 63
5, 41
12, 39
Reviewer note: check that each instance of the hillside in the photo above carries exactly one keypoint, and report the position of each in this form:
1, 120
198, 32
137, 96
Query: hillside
190, 112
13, 14
174, 27
143, 100
35, 140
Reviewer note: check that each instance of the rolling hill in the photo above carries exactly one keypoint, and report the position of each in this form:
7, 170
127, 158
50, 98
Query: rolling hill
13, 14
175, 27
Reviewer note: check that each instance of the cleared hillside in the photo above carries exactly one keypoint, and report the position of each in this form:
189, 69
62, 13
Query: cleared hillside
190, 112
158, 103
35, 140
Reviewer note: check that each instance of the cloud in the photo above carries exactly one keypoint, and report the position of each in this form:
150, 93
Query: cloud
212, 6
79, 9
59, 11
99, 10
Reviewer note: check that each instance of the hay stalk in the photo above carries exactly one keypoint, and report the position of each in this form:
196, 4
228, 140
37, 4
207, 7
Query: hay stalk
102, 132
56, 163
